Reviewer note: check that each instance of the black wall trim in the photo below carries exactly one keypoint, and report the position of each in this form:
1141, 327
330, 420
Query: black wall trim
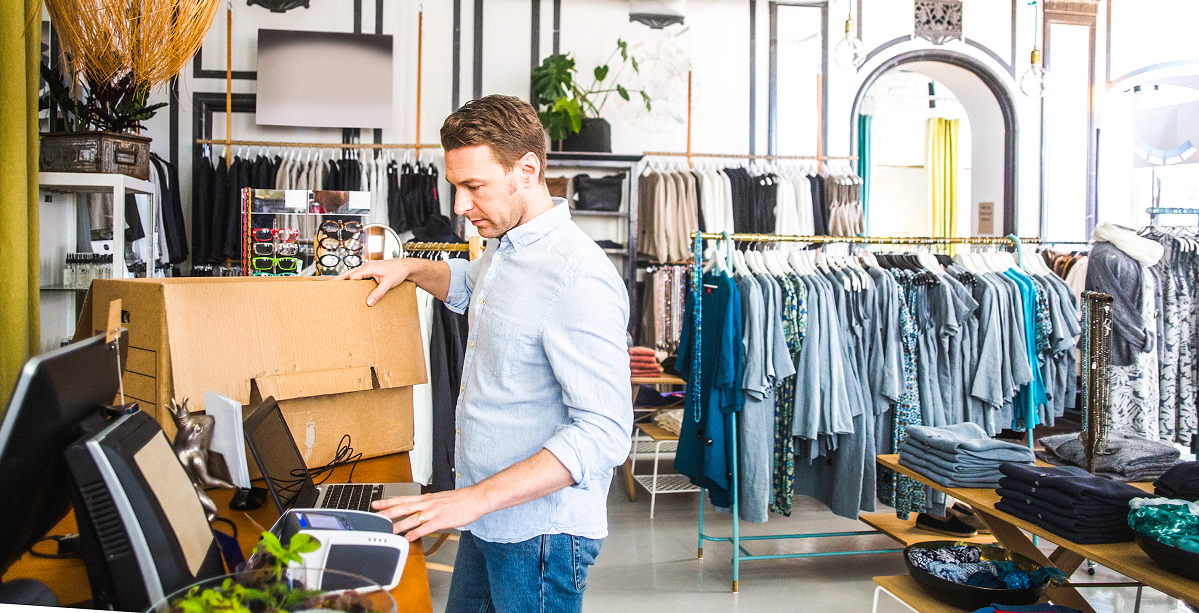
199, 73
1152, 67
753, 74
883, 47
772, 118
478, 67
378, 16
173, 100
204, 105
456, 68
557, 23
1010, 68
534, 45
358, 16
1007, 107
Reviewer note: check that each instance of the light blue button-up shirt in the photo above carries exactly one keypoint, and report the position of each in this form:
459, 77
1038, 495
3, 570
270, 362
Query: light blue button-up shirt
547, 366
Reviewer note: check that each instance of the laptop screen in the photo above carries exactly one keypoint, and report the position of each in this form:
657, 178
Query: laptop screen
278, 458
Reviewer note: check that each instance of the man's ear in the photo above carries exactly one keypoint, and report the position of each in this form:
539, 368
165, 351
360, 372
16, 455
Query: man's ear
530, 170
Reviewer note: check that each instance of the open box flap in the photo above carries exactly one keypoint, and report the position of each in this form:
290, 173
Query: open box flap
311, 384
225, 335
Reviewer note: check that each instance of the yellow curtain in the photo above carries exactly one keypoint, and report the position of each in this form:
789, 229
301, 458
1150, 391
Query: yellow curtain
941, 168
20, 58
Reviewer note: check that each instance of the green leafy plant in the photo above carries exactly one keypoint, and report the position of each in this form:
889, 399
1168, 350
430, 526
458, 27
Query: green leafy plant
266, 591
119, 106
566, 103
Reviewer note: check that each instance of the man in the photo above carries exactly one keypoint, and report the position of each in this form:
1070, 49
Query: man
544, 413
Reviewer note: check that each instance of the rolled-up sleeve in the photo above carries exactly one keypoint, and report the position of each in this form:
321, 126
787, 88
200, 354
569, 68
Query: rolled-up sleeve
461, 284
584, 341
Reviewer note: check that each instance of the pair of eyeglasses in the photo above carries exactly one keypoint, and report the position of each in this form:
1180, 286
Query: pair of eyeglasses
333, 243
265, 249
332, 260
341, 230
277, 264
283, 235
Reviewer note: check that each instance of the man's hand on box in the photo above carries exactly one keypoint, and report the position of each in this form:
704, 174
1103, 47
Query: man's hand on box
386, 273
422, 515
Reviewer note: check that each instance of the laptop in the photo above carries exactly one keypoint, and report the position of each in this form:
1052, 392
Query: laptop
291, 486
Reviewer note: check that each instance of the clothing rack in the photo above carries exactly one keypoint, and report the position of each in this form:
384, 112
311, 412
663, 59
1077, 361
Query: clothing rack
473, 246
740, 554
743, 156
1154, 211
288, 145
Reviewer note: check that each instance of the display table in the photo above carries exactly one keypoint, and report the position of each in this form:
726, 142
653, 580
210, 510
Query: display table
1125, 558
68, 578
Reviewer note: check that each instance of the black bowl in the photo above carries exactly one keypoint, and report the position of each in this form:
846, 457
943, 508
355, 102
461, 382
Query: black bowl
1178, 561
967, 596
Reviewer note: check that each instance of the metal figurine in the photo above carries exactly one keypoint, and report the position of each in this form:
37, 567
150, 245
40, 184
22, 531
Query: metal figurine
192, 446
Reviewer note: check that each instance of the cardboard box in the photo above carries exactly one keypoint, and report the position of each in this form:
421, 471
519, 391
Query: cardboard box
335, 365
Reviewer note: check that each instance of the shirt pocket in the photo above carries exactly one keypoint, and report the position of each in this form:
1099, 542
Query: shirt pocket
515, 345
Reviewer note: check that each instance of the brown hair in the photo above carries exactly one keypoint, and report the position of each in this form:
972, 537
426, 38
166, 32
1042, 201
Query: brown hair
506, 124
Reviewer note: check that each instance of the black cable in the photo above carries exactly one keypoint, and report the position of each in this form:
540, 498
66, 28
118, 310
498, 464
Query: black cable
55, 556
229, 522
345, 455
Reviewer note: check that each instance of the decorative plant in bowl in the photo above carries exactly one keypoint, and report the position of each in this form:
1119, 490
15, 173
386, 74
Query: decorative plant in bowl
571, 113
272, 586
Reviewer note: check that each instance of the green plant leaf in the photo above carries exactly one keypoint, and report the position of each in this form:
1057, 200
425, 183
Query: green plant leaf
624, 49
624, 93
303, 543
633, 60
601, 72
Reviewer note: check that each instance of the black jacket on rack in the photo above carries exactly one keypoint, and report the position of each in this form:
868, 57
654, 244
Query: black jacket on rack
220, 212
202, 212
447, 350
171, 210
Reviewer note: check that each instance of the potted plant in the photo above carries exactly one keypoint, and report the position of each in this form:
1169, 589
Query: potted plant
271, 585
97, 126
571, 113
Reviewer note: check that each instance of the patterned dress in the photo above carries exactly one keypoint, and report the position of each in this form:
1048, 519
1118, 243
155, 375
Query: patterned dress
795, 325
1134, 388
904, 493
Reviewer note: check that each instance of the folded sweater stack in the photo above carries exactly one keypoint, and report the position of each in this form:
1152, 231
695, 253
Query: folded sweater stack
643, 362
961, 455
1180, 482
1127, 458
1068, 501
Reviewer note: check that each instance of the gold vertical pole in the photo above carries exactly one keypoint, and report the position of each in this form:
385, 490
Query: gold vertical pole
420, 39
228, 81
688, 118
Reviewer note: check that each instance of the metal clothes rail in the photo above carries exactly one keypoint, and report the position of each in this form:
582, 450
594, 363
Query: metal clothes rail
1154, 211
473, 246
289, 145
740, 554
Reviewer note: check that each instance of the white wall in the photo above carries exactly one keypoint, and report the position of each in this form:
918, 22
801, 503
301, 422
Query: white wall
716, 38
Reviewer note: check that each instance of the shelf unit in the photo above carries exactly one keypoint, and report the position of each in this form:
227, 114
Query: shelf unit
58, 196
607, 224
905, 532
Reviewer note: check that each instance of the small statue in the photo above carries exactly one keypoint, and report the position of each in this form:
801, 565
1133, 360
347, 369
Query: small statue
192, 446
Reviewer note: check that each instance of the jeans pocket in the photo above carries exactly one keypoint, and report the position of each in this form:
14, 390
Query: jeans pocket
584, 551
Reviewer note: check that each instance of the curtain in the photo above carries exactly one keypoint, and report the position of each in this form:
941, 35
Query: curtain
20, 58
865, 162
941, 169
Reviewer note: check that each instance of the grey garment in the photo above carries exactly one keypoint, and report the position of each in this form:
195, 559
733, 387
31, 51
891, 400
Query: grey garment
964, 438
932, 409
987, 390
955, 340
780, 367
966, 460
821, 398
755, 433
952, 465
1114, 272
938, 474
1127, 456
886, 358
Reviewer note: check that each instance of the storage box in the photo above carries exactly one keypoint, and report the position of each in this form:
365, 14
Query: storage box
335, 365
104, 152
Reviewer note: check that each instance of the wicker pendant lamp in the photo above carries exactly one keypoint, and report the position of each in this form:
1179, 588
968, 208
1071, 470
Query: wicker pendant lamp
153, 40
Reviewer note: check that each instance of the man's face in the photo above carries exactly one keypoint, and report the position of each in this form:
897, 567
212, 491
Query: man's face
493, 199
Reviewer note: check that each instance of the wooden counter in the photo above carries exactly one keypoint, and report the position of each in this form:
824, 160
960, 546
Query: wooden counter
68, 578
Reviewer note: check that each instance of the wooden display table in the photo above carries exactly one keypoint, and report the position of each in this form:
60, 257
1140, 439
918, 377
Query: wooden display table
905, 531
1125, 558
905, 589
68, 578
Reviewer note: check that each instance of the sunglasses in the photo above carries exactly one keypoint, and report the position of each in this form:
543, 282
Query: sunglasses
341, 230
333, 244
284, 235
332, 260
265, 249
280, 265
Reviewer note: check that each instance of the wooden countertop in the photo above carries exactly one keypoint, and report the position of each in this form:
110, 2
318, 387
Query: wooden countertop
68, 578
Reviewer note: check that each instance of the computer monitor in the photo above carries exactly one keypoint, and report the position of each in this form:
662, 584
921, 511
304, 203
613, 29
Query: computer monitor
55, 392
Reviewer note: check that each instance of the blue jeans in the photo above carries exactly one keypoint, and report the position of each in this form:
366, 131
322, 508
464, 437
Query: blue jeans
544, 573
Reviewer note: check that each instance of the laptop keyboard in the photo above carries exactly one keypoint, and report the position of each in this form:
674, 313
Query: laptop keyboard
352, 496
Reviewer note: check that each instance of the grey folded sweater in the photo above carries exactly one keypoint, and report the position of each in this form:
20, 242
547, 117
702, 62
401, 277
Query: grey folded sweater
969, 439
1128, 458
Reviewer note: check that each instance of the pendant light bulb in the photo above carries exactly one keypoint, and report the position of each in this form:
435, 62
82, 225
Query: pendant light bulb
1032, 82
849, 53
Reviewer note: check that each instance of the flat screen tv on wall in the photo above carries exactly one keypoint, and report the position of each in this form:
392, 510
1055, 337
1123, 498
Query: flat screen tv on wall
324, 79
